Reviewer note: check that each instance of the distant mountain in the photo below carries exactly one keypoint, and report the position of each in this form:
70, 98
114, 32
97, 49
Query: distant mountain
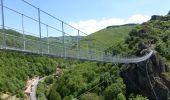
33, 43
68, 39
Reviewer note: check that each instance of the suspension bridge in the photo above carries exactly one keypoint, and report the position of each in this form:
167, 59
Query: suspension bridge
52, 39
45, 34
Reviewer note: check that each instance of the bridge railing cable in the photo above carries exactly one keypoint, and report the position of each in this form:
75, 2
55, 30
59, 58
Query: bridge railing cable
100, 43
56, 39
36, 20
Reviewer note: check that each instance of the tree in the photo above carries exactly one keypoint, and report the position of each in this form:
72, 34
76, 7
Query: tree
120, 96
54, 95
138, 97
112, 91
49, 80
91, 96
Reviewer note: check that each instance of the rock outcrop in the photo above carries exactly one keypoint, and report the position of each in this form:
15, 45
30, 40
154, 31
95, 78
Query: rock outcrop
114, 26
162, 18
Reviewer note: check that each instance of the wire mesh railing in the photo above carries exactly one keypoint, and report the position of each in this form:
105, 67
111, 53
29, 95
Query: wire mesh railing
37, 34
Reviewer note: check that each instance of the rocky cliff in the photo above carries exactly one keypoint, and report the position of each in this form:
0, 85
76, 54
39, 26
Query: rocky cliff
148, 78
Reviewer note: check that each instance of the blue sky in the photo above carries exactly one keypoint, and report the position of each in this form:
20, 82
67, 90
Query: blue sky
89, 15
76, 10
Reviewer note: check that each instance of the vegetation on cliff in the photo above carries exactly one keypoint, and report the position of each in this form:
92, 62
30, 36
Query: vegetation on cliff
154, 73
154, 34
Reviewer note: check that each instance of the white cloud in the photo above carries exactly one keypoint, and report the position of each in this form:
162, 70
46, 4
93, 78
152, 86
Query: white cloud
137, 18
92, 25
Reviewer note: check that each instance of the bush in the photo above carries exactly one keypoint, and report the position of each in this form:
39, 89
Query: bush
120, 96
138, 97
114, 89
91, 96
49, 80
54, 95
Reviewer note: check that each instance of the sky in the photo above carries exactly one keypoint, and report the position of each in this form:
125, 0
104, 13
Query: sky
87, 15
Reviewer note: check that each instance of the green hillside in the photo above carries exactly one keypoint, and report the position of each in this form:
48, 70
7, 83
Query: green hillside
11, 36
154, 34
35, 44
72, 40
109, 36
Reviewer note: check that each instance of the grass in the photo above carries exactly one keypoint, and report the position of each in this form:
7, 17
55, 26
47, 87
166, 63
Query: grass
108, 36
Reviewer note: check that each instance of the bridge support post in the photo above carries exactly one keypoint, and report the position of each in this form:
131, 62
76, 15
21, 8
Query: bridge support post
23, 31
88, 56
3, 25
48, 47
95, 53
89, 51
102, 56
64, 46
39, 22
78, 45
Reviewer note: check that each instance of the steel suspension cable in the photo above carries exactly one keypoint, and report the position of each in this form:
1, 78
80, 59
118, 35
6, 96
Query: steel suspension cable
150, 81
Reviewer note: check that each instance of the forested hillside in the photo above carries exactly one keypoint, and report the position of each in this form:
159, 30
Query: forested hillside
17, 68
